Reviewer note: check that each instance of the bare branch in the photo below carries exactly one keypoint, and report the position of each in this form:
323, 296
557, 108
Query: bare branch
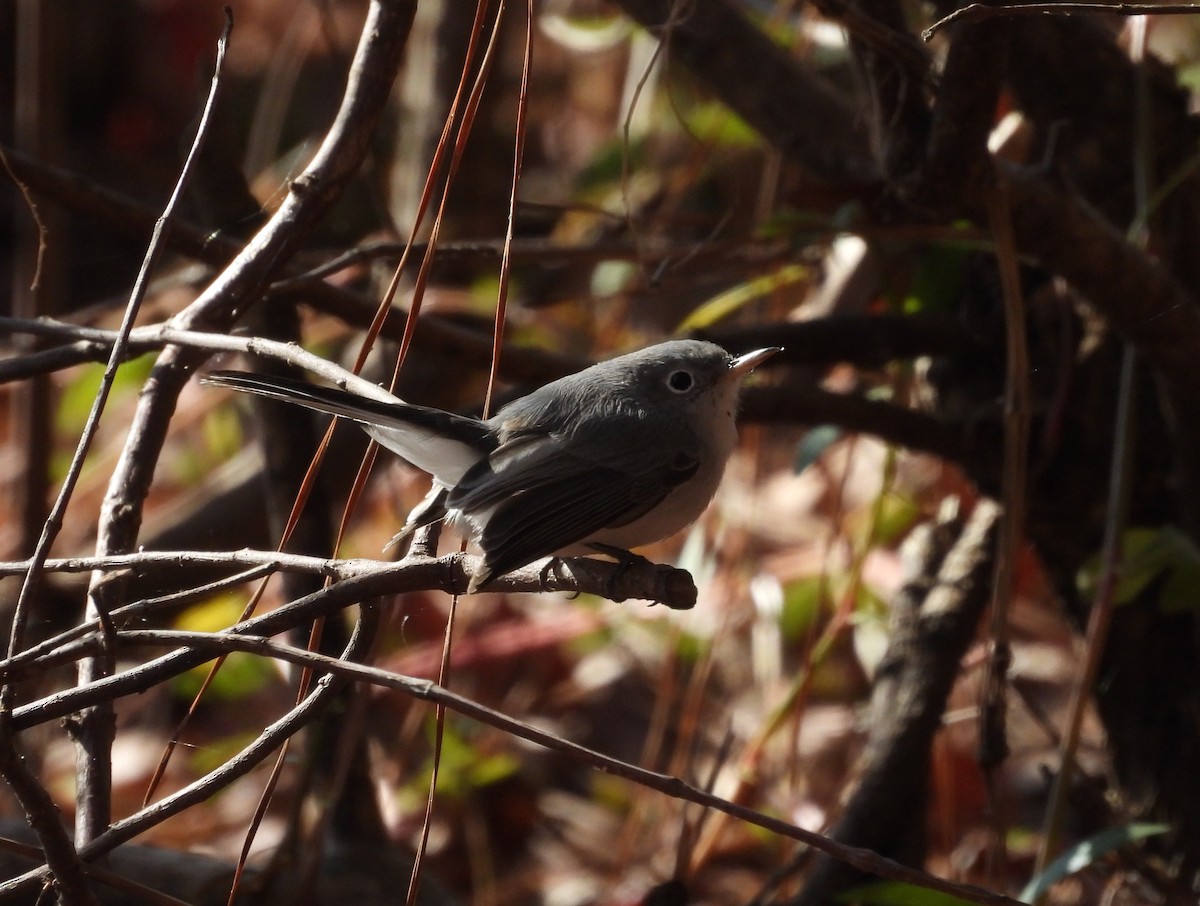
781, 100
977, 12
935, 616
198, 791
358, 579
811, 405
378, 57
55, 650
205, 646
64, 868
95, 729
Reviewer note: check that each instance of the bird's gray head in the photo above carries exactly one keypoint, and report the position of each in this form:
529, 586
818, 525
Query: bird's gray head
683, 385
671, 371
679, 373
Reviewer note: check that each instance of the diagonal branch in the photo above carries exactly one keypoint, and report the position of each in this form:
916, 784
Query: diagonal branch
777, 96
372, 72
204, 645
364, 580
95, 728
268, 741
934, 617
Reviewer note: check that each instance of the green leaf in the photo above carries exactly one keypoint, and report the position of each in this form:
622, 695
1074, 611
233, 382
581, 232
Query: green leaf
802, 601
938, 279
716, 123
610, 278
1181, 591
77, 396
490, 769
1149, 555
222, 433
871, 629
896, 515
690, 648
219, 751
242, 673
1189, 76
608, 167
897, 893
465, 766
799, 225
1088, 852
614, 793
721, 306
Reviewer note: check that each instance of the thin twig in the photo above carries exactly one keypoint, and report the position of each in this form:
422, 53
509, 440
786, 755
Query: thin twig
200, 790
497, 347
510, 227
143, 562
869, 341
810, 405
116, 356
53, 651
977, 12
65, 871
993, 742
31, 206
140, 892
378, 55
377, 58
158, 336
94, 729
1120, 482
201, 646
362, 579
205, 644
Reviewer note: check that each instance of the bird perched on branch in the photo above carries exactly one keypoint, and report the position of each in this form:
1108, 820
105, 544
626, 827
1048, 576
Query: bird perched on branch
621, 454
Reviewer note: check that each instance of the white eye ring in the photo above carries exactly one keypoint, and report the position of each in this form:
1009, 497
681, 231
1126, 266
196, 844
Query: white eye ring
680, 381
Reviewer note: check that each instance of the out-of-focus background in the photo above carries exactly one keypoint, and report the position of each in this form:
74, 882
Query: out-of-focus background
810, 176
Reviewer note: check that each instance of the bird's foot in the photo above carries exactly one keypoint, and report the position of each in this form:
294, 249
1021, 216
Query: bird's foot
626, 560
552, 569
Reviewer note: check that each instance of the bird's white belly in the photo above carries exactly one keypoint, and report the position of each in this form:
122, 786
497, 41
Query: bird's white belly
679, 509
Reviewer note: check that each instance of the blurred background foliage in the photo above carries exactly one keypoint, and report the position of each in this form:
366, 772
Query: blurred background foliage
646, 207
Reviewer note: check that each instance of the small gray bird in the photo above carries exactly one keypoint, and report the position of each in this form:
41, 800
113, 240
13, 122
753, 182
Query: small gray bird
621, 454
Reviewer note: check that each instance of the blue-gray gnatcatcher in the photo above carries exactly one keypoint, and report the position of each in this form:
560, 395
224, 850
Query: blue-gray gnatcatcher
621, 454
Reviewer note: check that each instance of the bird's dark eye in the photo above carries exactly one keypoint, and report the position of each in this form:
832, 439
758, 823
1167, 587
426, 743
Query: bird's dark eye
680, 381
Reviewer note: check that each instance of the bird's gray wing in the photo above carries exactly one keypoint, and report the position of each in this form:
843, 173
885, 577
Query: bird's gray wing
440, 443
543, 497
